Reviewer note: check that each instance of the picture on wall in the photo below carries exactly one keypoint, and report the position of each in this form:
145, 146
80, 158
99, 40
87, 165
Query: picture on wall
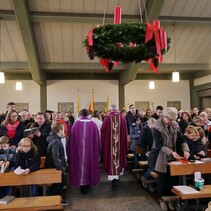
142, 105
175, 104
66, 107
100, 106
21, 106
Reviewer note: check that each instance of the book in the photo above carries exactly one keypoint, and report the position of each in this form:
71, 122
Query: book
206, 159
29, 131
6, 199
4, 166
184, 189
19, 171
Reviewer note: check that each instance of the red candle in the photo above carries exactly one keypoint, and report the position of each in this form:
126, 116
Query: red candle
117, 15
156, 23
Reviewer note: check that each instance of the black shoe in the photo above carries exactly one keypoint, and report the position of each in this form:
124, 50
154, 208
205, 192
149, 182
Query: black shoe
64, 203
84, 189
114, 184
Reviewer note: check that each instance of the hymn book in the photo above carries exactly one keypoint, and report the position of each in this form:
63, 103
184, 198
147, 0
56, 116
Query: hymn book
29, 131
6, 199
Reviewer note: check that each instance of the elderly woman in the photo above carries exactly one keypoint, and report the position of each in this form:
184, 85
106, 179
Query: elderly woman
168, 145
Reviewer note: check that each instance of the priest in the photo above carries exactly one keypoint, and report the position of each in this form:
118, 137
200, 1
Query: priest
114, 145
83, 151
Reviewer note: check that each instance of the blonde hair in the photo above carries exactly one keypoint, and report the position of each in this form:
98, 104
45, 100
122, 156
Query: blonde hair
190, 129
198, 119
201, 132
33, 146
4, 140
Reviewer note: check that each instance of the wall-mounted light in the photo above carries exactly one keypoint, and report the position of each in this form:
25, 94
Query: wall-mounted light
2, 79
175, 76
151, 85
18, 86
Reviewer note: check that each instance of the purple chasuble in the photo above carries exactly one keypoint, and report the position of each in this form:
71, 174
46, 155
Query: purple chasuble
114, 143
83, 153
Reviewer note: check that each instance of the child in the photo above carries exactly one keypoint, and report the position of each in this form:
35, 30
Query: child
55, 156
197, 148
135, 130
27, 158
6, 159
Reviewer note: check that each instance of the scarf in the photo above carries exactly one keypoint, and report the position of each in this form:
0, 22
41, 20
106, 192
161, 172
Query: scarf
11, 129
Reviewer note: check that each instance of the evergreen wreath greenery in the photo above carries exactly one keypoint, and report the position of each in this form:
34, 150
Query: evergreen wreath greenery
112, 41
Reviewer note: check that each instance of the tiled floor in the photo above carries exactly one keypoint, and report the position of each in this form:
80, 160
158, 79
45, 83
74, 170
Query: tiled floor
129, 196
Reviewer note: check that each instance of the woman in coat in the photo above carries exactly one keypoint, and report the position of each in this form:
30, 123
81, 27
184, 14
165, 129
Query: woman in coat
168, 145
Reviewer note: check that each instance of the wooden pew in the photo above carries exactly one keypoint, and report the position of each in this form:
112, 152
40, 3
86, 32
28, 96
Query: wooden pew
189, 168
203, 193
42, 164
41, 177
143, 164
184, 169
33, 203
209, 153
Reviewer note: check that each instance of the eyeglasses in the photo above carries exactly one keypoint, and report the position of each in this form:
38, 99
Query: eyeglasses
26, 146
14, 116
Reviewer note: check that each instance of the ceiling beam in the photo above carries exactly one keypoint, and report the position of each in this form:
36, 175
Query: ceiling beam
68, 17
9, 15
28, 37
77, 66
153, 8
48, 66
180, 67
129, 75
81, 76
170, 20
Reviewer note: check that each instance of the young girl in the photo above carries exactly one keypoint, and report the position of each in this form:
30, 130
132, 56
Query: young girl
27, 158
197, 148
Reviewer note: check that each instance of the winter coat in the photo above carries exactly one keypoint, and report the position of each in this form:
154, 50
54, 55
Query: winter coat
55, 156
18, 134
165, 140
7, 155
30, 160
146, 139
41, 142
135, 130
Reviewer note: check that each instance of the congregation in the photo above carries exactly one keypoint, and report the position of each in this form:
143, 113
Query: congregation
77, 145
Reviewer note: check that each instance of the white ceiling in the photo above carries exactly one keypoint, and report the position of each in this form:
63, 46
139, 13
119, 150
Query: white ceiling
44, 37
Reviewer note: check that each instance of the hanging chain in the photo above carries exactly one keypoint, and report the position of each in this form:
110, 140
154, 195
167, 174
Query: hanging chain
145, 10
0, 43
174, 45
140, 11
105, 8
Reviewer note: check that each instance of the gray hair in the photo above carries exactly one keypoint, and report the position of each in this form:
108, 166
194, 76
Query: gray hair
170, 113
113, 107
151, 121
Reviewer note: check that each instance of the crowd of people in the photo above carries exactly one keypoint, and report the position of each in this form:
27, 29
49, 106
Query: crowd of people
78, 146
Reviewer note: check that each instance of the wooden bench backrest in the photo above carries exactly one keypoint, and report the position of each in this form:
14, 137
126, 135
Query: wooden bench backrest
34, 203
188, 169
40, 177
138, 150
42, 164
209, 153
